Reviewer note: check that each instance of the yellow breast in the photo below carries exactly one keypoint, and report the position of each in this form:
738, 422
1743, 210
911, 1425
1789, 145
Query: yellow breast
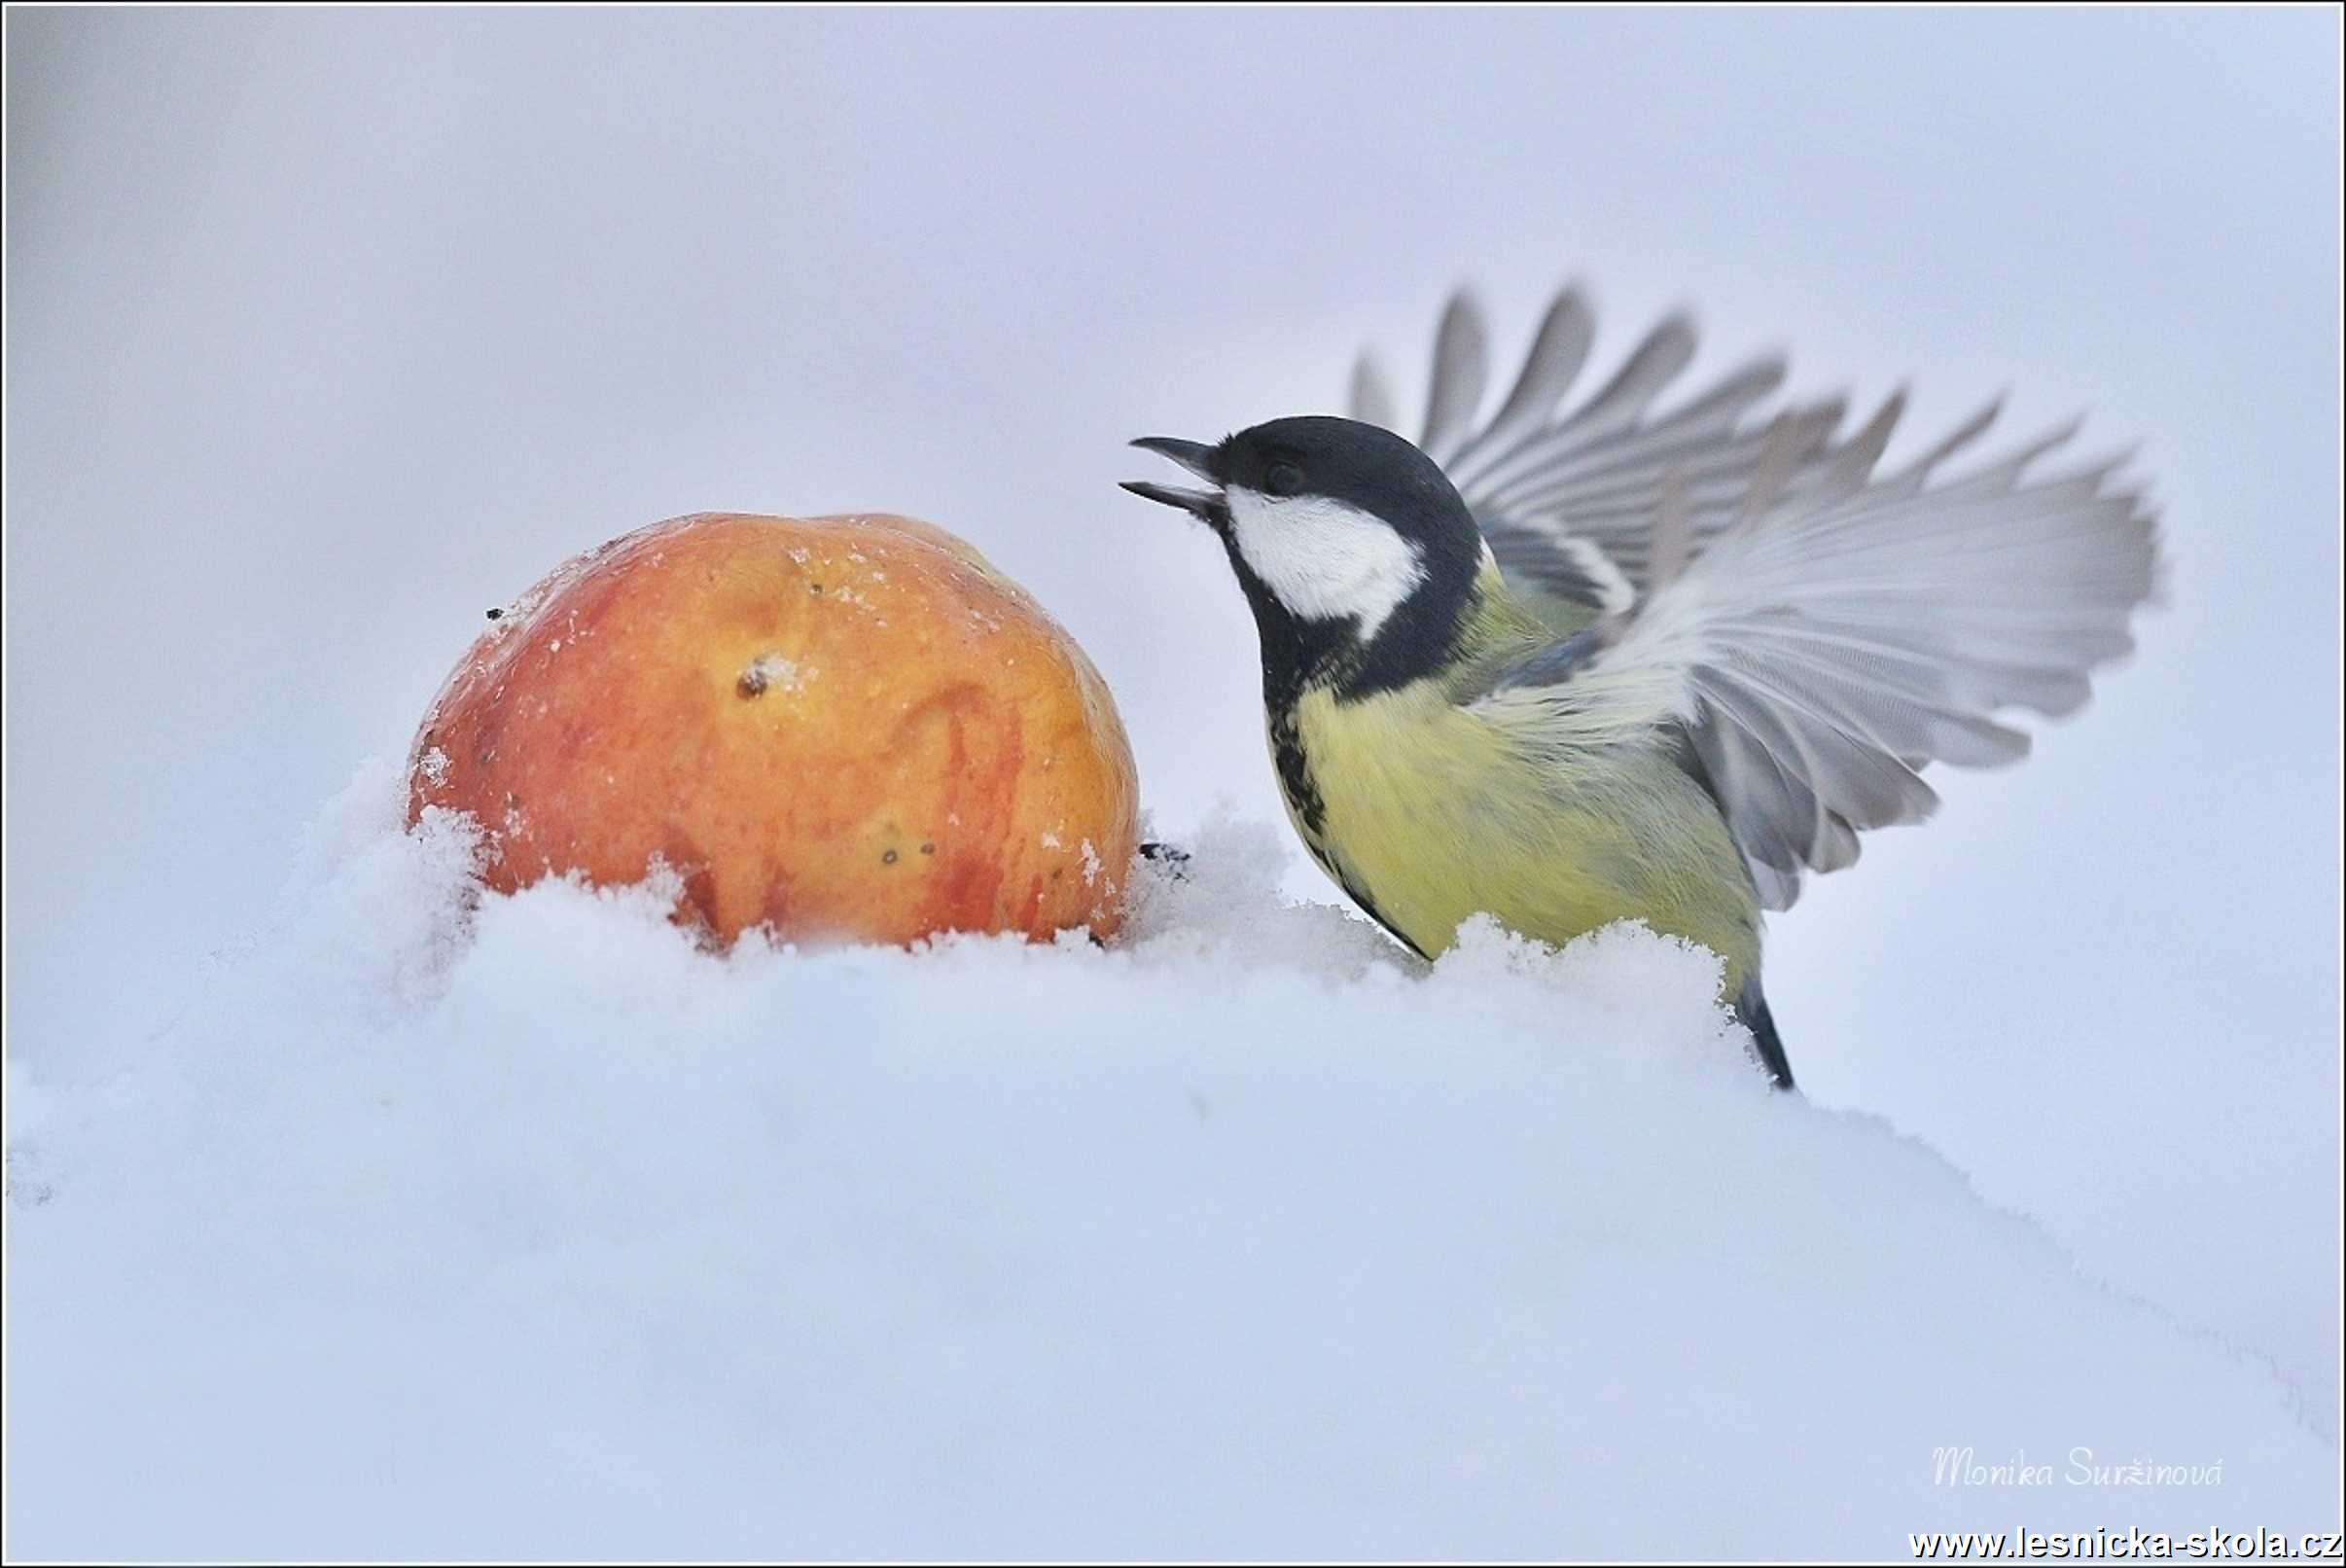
1427, 814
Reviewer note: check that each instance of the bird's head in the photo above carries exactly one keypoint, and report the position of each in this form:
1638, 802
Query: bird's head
1353, 549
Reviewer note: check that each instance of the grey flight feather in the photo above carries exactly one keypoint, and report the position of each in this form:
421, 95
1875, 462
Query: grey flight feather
1371, 401
1461, 355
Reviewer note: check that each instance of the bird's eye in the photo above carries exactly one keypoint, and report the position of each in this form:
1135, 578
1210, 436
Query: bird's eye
1283, 479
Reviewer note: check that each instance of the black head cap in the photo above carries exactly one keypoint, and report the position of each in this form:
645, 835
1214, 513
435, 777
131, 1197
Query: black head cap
1294, 494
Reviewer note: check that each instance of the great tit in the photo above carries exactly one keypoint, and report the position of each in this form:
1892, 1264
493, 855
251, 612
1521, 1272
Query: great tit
1573, 667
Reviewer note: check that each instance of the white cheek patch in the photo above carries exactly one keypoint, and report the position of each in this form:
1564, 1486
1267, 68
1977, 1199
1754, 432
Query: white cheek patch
1325, 560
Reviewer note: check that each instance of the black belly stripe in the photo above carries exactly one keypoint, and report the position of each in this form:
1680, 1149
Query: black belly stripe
1304, 798
1295, 774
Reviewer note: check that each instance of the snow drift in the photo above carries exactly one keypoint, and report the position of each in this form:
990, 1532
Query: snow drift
458, 1227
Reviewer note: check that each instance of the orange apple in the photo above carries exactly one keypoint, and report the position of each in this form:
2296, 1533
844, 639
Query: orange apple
846, 728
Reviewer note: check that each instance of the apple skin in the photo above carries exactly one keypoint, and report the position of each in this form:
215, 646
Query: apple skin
842, 728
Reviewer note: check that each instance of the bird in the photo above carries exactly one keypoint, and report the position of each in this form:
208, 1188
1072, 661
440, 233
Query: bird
1635, 654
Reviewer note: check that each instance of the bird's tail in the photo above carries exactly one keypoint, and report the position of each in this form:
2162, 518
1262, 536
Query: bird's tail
1751, 1010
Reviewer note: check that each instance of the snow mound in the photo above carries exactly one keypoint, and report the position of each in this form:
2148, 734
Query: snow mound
445, 1225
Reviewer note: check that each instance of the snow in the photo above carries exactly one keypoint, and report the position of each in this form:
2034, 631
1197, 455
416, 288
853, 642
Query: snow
452, 1225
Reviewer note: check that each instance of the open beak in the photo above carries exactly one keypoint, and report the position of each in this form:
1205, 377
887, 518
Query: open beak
1198, 460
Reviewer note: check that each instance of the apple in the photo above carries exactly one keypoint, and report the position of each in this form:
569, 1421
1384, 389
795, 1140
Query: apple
838, 728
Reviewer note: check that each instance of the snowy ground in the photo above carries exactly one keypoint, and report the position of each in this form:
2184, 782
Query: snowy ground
457, 1228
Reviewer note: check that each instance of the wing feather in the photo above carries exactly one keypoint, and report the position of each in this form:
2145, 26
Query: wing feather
1461, 360
1557, 353
1371, 401
1818, 630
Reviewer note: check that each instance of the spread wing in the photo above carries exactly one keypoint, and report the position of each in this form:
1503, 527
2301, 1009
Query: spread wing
1817, 631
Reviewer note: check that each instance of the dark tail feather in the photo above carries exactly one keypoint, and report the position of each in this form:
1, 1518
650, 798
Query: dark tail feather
1751, 1010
